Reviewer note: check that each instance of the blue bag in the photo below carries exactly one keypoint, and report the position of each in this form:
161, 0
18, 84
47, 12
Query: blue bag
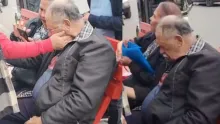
134, 53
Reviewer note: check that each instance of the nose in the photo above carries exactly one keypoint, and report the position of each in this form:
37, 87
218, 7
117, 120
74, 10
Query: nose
42, 14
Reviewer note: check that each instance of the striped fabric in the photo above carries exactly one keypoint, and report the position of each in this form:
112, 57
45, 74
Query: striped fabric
8, 99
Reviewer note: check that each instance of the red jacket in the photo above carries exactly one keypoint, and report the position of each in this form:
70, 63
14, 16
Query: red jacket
14, 50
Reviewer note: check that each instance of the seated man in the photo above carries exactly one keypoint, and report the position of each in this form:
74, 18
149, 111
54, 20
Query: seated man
140, 83
188, 92
71, 88
26, 78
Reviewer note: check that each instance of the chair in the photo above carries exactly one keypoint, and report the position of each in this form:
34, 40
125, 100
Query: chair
27, 15
144, 29
113, 90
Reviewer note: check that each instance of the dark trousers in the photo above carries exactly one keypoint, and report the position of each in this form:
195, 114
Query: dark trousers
27, 110
115, 111
133, 83
135, 118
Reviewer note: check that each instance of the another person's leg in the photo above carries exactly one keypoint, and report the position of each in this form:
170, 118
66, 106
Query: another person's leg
27, 110
131, 82
115, 112
135, 118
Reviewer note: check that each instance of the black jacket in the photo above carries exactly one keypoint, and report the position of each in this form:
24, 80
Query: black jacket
78, 82
39, 63
190, 93
144, 79
112, 23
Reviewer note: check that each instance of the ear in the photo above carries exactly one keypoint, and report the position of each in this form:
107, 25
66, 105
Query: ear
66, 25
179, 40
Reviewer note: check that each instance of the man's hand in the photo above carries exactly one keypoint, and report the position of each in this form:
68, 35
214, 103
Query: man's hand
60, 40
34, 120
86, 16
125, 61
119, 51
125, 42
119, 48
20, 25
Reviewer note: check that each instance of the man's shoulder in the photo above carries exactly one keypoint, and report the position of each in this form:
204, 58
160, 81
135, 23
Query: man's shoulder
208, 56
150, 35
208, 52
95, 42
34, 21
145, 40
96, 39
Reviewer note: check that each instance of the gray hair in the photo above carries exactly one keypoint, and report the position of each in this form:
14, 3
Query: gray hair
64, 9
172, 25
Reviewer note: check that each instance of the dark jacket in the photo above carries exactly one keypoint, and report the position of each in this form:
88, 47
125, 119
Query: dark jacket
145, 81
190, 93
78, 82
111, 23
25, 78
39, 63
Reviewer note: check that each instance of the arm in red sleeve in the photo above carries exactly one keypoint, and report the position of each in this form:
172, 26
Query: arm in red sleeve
14, 50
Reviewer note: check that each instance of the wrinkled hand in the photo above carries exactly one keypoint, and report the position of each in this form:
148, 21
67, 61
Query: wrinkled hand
86, 16
34, 120
20, 25
119, 48
119, 51
125, 42
60, 40
125, 61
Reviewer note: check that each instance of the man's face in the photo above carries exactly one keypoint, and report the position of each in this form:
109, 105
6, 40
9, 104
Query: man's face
55, 27
171, 47
44, 4
154, 20
51, 26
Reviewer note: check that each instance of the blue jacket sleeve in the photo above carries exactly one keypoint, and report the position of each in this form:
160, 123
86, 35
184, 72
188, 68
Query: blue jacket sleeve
106, 22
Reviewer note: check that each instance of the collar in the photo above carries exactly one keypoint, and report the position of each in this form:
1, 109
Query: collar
85, 32
197, 46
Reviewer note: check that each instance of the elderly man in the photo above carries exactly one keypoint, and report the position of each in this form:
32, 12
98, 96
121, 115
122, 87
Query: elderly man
141, 82
22, 77
73, 91
188, 91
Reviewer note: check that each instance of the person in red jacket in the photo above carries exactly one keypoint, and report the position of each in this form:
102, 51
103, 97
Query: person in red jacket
14, 50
